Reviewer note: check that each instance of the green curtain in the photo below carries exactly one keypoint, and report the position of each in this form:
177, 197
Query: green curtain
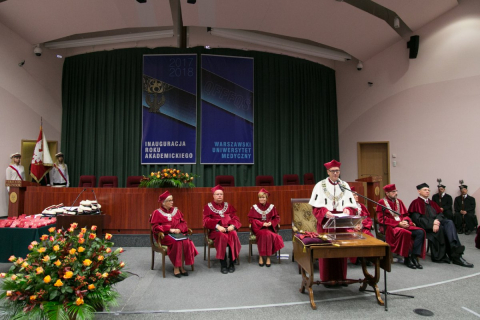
295, 112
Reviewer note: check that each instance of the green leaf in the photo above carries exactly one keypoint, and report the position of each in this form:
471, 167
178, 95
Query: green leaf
53, 294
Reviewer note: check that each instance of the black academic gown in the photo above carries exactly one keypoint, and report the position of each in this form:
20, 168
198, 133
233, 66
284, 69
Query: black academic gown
470, 220
446, 203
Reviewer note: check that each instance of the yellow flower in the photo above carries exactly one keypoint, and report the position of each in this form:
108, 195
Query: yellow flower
79, 301
39, 270
152, 174
51, 230
25, 264
9, 293
59, 283
33, 297
108, 236
72, 251
46, 259
174, 175
91, 286
165, 174
158, 176
83, 230
104, 275
44, 237
56, 247
74, 225
42, 249
57, 263
68, 275
100, 258
81, 249
92, 236
108, 250
47, 279
87, 262
14, 277
122, 264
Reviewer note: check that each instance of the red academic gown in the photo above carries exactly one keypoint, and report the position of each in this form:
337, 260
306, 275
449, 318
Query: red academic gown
161, 223
225, 216
399, 239
268, 242
477, 239
333, 268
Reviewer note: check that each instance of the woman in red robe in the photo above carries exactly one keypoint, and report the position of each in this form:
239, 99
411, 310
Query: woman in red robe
169, 220
264, 219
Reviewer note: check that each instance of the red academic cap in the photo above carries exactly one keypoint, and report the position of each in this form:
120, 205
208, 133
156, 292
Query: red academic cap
331, 164
389, 188
164, 196
264, 191
217, 187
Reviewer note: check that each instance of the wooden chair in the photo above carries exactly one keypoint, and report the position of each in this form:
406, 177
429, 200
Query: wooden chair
253, 240
108, 182
308, 179
87, 182
379, 235
208, 244
290, 179
156, 245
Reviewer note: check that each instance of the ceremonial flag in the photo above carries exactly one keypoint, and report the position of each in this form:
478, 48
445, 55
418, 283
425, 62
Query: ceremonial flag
41, 161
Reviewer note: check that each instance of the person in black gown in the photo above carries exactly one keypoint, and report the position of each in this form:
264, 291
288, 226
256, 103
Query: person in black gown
465, 219
444, 201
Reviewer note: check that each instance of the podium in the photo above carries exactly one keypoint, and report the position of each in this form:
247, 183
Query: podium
16, 196
373, 191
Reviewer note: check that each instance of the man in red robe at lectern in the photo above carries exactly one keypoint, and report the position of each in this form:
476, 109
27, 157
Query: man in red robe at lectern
404, 238
220, 217
327, 200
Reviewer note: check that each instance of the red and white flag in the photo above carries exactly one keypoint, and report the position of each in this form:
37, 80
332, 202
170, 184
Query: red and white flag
41, 160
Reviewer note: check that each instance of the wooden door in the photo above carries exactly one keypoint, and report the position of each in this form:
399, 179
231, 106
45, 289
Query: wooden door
373, 160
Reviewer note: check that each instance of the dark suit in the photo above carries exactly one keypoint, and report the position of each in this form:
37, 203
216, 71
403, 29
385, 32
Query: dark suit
446, 203
468, 204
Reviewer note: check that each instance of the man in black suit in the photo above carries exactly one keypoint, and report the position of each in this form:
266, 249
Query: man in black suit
465, 219
444, 201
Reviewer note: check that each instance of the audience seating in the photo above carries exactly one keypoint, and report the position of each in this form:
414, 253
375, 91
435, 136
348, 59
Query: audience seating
290, 179
308, 178
264, 181
108, 182
225, 181
133, 181
87, 182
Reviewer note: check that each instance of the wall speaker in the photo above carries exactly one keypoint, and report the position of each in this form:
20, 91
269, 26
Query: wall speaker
413, 46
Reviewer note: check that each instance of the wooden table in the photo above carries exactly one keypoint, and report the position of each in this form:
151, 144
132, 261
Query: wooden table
372, 249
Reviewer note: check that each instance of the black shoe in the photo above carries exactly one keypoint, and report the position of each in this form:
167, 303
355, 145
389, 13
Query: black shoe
445, 260
224, 270
461, 262
416, 263
409, 263
460, 231
178, 275
231, 268
468, 232
185, 273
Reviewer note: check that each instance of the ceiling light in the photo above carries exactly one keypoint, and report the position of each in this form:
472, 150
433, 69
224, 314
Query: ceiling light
131, 37
272, 42
396, 23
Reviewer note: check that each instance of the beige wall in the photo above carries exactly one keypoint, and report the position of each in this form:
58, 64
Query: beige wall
26, 94
428, 108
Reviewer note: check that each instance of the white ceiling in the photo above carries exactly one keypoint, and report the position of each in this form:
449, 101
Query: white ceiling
328, 22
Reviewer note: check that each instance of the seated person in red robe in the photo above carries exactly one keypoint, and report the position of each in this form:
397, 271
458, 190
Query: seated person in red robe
362, 211
404, 238
264, 219
220, 217
169, 220
441, 232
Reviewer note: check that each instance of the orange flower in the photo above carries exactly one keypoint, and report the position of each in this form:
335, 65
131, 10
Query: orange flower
57, 263
91, 286
68, 275
47, 279
51, 238
108, 250
72, 251
56, 247
93, 228
165, 174
81, 235
79, 301
59, 283
92, 236
34, 243
108, 236
39, 270
81, 240
158, 176
13, 277
122, 264
44, 237
174, 175
12, 258
46, 259
33, 297
81, 249
74, 225
51, 230
25, 264
70, 229
9, 293
2, 275
83, 230
100, 258
104, 275
152, 174
42, 249
164, 170
87, 262
19, 261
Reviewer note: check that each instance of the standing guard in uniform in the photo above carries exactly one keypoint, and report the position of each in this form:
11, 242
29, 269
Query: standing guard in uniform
59, 172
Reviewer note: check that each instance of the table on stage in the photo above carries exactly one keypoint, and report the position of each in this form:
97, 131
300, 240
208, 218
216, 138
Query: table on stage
15, 241
373, 249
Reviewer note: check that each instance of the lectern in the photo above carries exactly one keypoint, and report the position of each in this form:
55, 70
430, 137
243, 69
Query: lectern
16, 196
373, 191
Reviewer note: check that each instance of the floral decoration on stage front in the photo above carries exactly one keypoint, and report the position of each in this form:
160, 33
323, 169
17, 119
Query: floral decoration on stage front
168, 178
67, 275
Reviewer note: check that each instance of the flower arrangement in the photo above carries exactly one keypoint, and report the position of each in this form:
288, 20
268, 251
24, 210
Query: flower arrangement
65, 275
168, 178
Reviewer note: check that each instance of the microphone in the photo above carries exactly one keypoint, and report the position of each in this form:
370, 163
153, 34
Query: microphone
77, 198
95, 195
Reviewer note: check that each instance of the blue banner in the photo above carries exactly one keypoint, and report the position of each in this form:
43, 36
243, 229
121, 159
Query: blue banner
169, 109
227, 110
